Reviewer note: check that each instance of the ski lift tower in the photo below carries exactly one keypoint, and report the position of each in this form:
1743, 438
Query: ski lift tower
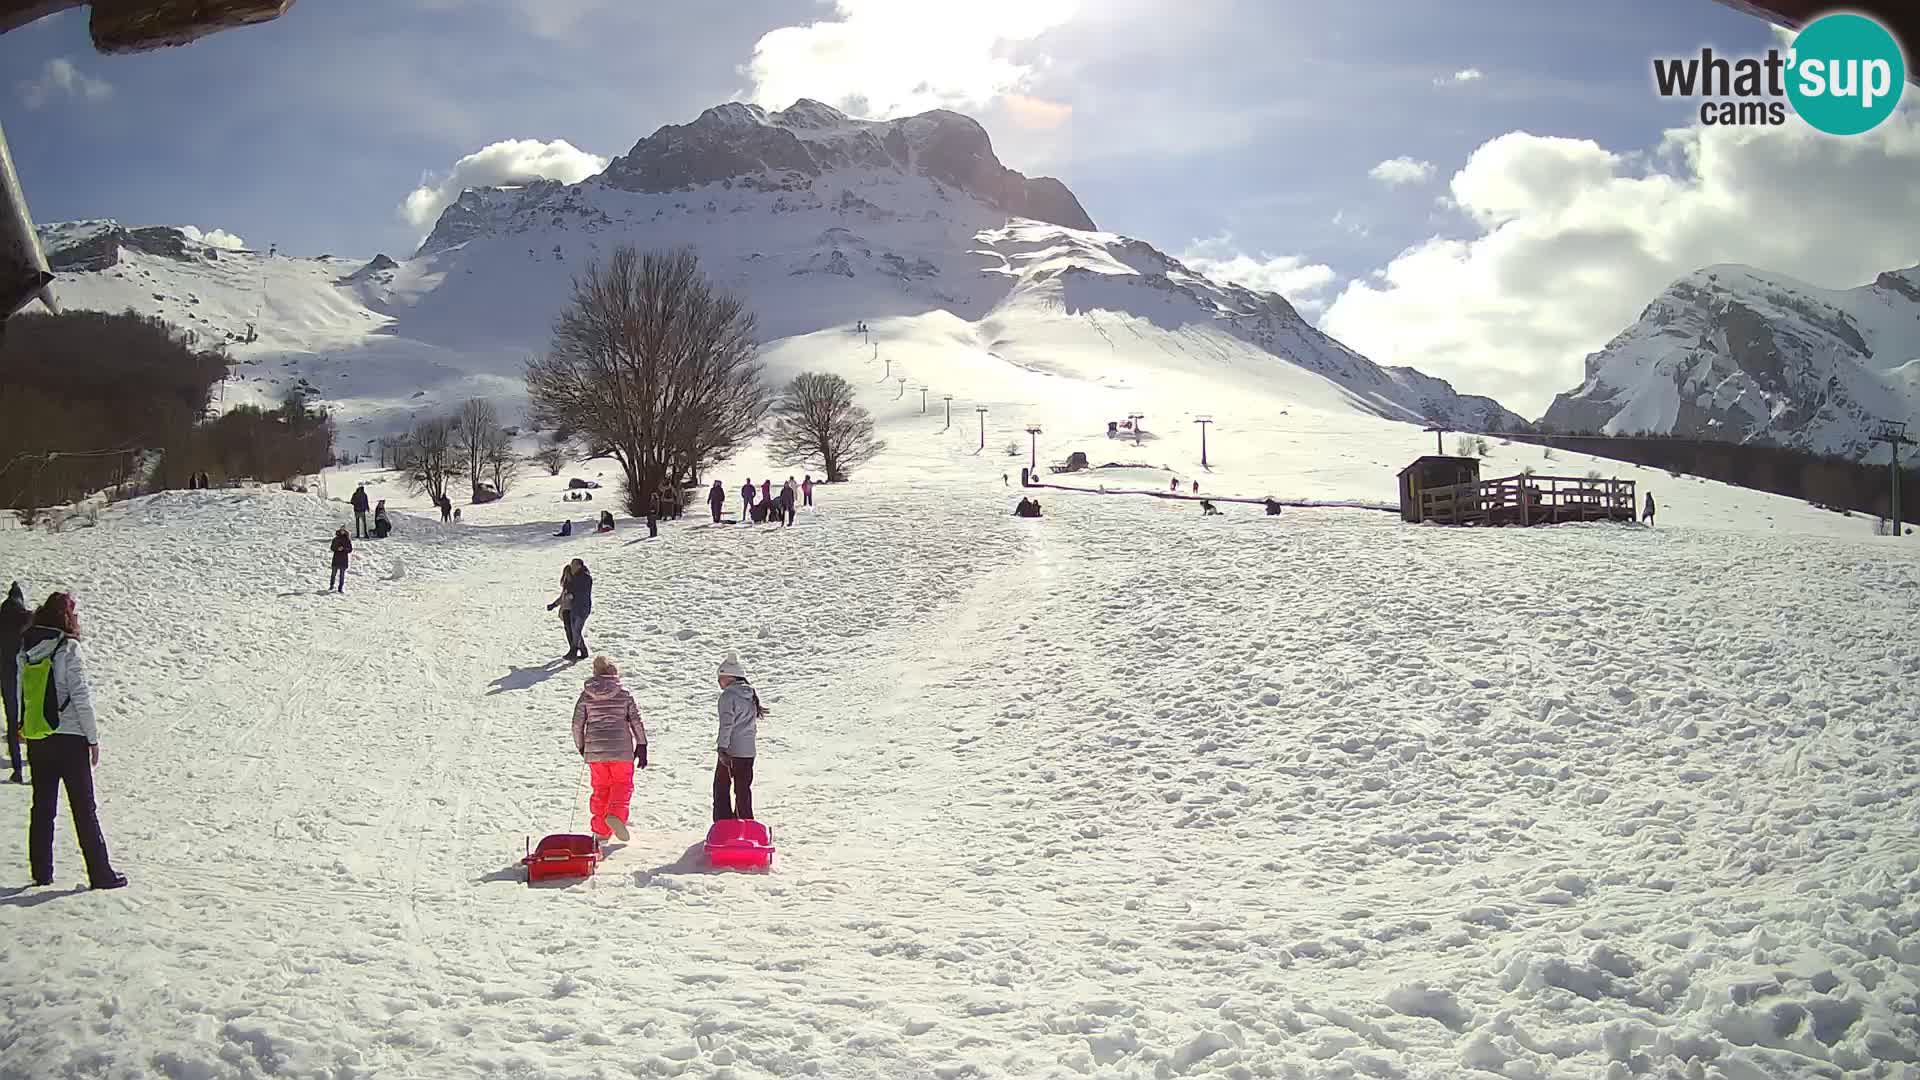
948, 398
1033, 444
1203, 421
982, 410
1894, 434
1135, 418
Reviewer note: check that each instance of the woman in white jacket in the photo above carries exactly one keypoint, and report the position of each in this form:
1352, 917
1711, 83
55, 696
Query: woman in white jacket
740, 713
63, 745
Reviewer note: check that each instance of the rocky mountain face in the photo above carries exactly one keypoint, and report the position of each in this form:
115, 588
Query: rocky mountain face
1733, 353
745, 143
96, 245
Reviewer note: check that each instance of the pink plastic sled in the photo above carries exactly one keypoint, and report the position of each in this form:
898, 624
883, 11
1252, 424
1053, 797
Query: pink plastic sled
740, 845
562, 855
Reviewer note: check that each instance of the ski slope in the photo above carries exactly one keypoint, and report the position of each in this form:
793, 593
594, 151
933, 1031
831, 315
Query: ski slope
1119, 792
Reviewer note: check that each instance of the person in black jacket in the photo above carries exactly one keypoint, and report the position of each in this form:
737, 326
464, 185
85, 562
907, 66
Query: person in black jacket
360, 512
716, 499
14, 618
342, 547
576, 596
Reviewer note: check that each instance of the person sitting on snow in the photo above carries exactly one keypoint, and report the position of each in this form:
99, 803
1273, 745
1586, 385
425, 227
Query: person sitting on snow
606, 521
566, 528
382, 524
612, 740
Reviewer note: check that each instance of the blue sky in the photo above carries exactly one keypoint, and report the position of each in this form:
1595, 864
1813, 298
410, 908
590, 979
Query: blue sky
1249, 135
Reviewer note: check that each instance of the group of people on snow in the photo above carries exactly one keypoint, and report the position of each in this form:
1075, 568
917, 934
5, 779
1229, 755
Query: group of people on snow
49, 709
611, 737
382, 524
767, 507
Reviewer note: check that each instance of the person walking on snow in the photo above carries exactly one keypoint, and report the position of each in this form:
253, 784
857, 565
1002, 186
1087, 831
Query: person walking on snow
360, 512
740, 713
342, 547
15, 617
746, 500
716, 499
562, 603
446, 508
63, 742
1647, 518
806, 491
789, 494
611, 739
576, 594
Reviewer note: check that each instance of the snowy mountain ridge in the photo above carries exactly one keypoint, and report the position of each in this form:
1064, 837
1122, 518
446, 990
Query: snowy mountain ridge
826, 222
1730, 352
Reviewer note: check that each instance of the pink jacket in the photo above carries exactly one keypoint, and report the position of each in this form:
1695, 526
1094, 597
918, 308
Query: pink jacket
606, 721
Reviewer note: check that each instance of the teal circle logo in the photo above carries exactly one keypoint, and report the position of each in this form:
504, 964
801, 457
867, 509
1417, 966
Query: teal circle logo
1845, 74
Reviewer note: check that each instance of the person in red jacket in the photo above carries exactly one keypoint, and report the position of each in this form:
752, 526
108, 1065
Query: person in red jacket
766, 491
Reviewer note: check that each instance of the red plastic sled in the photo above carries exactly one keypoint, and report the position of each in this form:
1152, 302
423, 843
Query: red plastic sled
562, 855
740, 845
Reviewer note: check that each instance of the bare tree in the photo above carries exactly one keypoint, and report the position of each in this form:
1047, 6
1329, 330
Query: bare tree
816, 423
552, 457
652, 366
502, 462
474, 428
428, 456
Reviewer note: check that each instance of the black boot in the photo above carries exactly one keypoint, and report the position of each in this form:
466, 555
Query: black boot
16, 778
117, 881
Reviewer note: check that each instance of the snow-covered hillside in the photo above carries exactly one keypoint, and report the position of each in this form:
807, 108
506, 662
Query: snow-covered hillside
904, 226
1122, 792
1729, 352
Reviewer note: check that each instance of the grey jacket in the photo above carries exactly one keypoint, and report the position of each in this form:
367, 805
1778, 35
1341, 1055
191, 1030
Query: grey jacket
606, 721
739, 719
75, 694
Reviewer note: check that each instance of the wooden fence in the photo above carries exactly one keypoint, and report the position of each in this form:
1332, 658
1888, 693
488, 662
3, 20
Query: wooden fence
1530, 500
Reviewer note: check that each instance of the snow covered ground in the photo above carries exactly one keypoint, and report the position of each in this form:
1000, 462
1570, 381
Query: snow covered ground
1119, 792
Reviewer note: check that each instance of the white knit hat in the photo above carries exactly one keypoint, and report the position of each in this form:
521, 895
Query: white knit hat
731, 666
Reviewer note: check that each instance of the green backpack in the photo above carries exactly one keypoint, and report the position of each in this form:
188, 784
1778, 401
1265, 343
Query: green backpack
39, 712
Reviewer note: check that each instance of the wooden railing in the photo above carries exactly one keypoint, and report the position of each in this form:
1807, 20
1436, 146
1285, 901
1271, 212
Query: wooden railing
1529, 500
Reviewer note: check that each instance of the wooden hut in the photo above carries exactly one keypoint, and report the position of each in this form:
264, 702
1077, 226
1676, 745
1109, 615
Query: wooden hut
1431, 473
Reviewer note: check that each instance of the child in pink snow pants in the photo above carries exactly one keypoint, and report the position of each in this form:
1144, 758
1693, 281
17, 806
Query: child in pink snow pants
611, 739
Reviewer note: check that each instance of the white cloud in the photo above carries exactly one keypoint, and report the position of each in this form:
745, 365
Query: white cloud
1302, 282
219, 238
60, 81
511, 161
888, 58
1570, 241
1464, 75
1394, 172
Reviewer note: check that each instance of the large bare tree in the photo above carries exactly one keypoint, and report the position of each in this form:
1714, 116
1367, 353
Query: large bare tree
502, 462
475, 427
652, 366
428, 457
816, 423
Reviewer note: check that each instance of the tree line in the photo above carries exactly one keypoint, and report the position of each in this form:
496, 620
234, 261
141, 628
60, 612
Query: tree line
1821, 479
97, 400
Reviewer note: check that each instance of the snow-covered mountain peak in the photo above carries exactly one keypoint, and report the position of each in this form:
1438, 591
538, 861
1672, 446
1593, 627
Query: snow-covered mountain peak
1732, 352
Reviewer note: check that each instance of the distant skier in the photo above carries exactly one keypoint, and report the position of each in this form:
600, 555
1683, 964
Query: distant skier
63, 745
15, 617
806, 491
789, 495
610, 737
746, 500
740, 713
1176, 486
1196, 487
382, 524
342, 547
716, 499
1647, 518
360, 512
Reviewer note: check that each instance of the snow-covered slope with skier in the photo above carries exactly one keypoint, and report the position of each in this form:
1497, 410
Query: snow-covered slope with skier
819, 220
1729, 352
